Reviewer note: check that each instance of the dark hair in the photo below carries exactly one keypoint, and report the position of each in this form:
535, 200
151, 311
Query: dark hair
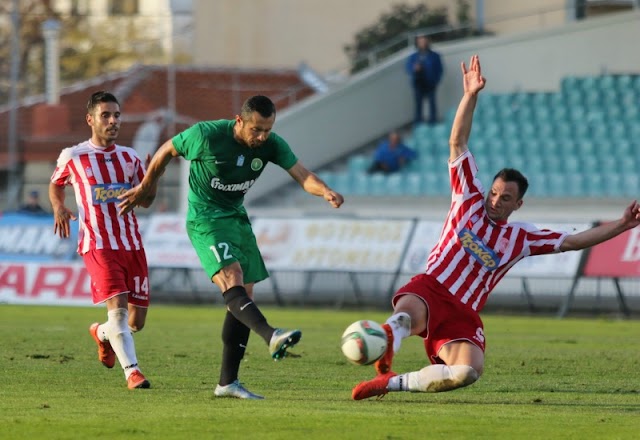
99, 97
261, 104
513, 175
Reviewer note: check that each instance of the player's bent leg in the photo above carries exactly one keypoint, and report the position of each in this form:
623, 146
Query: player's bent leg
137, 318
434, 379
409, 318
122, 342
462, 352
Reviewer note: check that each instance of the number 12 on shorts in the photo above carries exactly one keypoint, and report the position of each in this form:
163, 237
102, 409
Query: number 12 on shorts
224, 248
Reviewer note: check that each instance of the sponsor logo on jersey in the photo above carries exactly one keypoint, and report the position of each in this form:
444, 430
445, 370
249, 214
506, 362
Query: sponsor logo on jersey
108, 192
231, 187
478, 250
256, 164
240, 161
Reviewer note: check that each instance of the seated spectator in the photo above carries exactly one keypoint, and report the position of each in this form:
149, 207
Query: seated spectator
32, 205
391, 155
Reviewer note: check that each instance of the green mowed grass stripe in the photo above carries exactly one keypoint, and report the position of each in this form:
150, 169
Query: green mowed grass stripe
544, 378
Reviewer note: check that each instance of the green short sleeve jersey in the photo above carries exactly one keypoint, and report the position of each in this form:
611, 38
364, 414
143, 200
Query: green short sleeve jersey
222, 170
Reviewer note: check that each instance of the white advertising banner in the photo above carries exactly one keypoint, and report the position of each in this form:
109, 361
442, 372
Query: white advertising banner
564, 264
330, 244
45, 284
167, 244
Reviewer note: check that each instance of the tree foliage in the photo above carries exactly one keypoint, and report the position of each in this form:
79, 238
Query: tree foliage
86, 50
383, 37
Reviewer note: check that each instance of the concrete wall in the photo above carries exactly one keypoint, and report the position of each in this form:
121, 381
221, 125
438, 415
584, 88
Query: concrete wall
327, 127
282, 33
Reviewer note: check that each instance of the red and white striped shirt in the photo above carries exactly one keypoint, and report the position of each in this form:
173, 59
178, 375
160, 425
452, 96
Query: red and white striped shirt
474, 252
99, 175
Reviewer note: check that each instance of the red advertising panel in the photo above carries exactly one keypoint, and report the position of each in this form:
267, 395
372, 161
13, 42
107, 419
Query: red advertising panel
618, 257
44, 283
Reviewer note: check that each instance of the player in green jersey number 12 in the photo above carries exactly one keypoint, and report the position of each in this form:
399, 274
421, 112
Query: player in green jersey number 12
227, 157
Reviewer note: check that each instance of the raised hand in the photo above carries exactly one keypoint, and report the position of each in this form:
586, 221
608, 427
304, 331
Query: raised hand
631, 216
472, 79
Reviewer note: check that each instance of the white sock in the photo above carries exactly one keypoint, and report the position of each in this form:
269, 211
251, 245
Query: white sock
103, 331
121, 340
434, 379
400, 324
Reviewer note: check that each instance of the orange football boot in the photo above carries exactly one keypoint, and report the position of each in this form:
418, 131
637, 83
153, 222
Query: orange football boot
376, 387
106, 355
383, 365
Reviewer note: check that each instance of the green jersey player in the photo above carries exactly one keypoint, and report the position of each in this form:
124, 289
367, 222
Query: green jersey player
227, 157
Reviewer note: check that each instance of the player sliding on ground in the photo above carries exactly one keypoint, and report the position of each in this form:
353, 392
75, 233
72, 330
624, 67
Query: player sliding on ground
477, 247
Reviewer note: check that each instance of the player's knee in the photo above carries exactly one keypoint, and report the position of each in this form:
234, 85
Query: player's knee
136, 327
463, 375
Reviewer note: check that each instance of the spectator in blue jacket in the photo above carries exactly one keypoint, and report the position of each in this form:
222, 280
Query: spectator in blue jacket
425, 70
391, 155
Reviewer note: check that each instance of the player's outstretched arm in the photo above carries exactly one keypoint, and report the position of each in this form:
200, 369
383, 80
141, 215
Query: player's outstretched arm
144, 193
61, 214
591, 237
473, 82
314, 185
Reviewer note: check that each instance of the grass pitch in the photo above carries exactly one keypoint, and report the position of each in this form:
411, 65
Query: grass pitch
544, 379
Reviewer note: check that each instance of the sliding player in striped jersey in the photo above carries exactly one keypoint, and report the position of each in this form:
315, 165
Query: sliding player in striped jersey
477, 247
110, 244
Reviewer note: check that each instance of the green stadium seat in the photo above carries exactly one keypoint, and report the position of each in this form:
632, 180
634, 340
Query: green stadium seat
537, 184
360, 183
556, 184
588, 163
593, 185
612, 182
395, 184
630, 185
377, 184
327, 177
571, 164
569, 84
413, 184
430, 184
358, 162
342, 183
574, 185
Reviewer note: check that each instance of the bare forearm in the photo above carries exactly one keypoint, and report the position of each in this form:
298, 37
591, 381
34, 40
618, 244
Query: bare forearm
314, 185
461, 128
56, 196
158, 165
593, 236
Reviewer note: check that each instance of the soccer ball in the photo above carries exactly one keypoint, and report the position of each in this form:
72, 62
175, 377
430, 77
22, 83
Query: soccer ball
364, 342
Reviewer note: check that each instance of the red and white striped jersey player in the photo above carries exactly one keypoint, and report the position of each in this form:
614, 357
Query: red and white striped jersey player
110, 244
476, 248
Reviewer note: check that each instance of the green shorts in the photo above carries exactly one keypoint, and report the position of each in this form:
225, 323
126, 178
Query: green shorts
221, 242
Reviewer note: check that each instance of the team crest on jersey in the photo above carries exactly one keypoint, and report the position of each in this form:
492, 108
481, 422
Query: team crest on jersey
128, 168
108, 192
475, 247
475, 218
256, 164
240, 161
502, 244
88, 171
